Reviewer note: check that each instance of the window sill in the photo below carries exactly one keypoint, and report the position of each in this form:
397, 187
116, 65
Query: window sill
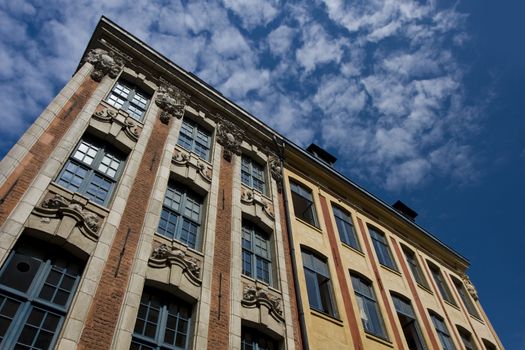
259, 282
160, 238
355, 250
379, 339
391, 270
195, 155
125, 113
327, 317
477, 319
425, 288
318, 229
451, 304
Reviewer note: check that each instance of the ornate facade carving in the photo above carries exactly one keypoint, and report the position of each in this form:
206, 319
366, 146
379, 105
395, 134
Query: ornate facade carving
163, 256
255, 296
230, 137
105, 63
248, 196
171, 100
184, 159
131, 129
276, 171
469, 286
58, 206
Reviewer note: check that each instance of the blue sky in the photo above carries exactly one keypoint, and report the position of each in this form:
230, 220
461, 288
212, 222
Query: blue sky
420, 101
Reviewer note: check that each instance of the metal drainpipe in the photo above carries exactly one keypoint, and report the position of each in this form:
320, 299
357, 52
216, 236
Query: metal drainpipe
302, 324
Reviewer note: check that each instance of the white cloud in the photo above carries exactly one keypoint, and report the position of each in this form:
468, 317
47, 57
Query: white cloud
253, 13
318, 48
280, 40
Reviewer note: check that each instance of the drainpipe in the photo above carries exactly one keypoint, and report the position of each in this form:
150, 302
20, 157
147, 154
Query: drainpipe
302, 324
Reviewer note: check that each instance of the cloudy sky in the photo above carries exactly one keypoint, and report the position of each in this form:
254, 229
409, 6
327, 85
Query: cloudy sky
419, 100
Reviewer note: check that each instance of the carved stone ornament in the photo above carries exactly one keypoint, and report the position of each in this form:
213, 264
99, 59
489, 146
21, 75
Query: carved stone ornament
105, 63
171, 100
230, 137
469, 286
248, 197
58, 206
255, 296
277, 172
163, 256
183, 159
131, 129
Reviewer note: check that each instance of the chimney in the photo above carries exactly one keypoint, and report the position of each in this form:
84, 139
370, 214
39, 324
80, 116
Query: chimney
321, 154
405, 210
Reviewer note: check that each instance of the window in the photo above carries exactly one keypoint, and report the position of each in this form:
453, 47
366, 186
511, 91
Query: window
368, 308
256, 253
163, 322
252, 174
37, 284
409, 323
194, 138
180, 218
303, 204
442, 332
488, 345
466, 338
318, 284
254, 340
463, 294
441, 284
93, 169
345, 227
381, 247
414, 267
129, 98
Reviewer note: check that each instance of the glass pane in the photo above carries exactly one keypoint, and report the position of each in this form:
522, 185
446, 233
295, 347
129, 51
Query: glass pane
20, 272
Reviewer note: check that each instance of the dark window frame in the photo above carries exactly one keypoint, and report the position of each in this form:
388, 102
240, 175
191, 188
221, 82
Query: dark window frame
382, 248
319, 287
465, 298
442, 285
408, 321
345, 227
258, 341
442, 331
93, 175
131, 102
415, 267
189, 200
303, 196
253, 174
252, 253
191, 138
466, 338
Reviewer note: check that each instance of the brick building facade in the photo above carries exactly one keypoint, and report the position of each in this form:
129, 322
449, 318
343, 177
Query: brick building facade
144, 210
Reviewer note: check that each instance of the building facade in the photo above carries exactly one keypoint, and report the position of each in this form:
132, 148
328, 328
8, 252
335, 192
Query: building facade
144, 210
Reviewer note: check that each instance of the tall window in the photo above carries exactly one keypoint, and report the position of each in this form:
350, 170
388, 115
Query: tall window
488, 345
180, 218
409, 323
303, 204
93, 169
463, 294
368, 308
163, 322
345, 227
37, 284
130, 98
466, 338
442, 332
320, 294
256, 253
195, 138
414, 267
441, 284
384, 255
254, 340
252, 174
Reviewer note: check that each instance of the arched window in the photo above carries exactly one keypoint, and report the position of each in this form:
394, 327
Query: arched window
442, 331
318, 283
408, 321
368, 308
37, 283
384, 255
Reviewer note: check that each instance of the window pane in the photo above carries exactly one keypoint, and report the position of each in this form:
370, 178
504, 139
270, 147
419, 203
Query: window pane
304, 208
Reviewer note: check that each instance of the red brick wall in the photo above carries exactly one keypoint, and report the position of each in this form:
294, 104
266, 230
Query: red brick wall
104, 312
289, 275
219, 326
18, 182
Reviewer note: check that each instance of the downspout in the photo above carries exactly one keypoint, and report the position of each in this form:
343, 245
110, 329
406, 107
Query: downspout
302, 324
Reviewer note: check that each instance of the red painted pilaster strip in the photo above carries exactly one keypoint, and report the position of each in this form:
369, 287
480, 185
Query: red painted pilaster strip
341, 276
415, 296
398, 342
442, 303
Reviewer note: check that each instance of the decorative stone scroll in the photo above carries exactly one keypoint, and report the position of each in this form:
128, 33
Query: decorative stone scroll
107, 115
171, 100
276, 171
58, 206
230, 137
255, 296
469, 286
162, 256
105, 63
248, 196
185, 159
